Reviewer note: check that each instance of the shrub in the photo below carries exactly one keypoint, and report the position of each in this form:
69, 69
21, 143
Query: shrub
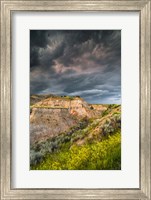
91, 107
35, 157
111, 125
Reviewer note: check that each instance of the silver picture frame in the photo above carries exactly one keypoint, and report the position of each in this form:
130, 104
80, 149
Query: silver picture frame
143, 7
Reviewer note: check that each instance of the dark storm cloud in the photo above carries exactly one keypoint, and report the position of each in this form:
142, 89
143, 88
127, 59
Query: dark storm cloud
83, 63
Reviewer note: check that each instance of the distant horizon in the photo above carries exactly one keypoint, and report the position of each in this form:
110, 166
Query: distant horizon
85, 63
73, 96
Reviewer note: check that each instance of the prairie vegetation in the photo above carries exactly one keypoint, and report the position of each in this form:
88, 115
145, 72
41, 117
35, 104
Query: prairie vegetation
94, 143
105, 155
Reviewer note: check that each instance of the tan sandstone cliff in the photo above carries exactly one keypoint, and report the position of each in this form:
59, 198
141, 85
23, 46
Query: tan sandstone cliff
54, 115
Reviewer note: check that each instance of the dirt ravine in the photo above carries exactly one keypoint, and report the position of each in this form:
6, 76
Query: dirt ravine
54, 115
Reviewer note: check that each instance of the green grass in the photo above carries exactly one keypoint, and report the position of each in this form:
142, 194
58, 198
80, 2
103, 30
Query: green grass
110, 107
104, 155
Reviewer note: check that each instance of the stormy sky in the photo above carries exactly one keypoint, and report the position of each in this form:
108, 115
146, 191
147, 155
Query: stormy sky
84, 63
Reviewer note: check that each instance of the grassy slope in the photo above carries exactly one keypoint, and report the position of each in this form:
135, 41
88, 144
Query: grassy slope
94, 145
105, 155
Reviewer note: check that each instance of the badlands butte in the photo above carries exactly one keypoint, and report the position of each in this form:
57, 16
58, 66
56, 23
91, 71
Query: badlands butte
60, 123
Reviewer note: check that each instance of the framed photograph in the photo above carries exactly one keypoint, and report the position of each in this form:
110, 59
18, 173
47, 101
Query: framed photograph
75, 99
75, 109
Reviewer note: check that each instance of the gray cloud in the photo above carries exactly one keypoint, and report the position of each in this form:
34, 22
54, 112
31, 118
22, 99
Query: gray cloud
83, 63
